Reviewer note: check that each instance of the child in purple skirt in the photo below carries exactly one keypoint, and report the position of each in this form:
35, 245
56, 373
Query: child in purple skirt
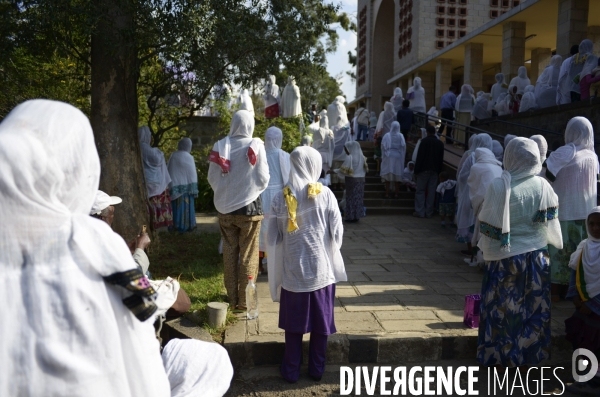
304, 237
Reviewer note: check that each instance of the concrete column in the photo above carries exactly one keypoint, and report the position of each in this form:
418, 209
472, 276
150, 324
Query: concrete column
513, 48
572, 24
473, 71
540, 58
443, 79
428, 82
594, 35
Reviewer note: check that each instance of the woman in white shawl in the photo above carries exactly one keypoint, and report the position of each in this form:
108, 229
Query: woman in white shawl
498, 88
341, 135
397, 99
384, 123
563, 94
184, 186
480, 110
76, 300
465, 218
547, 84
573, 171
245, 101
354, 170
464, 107
583, 327
271, 98
483, 172
157, 181
518, 219
337, 108
393, 150
323, 141
279, 172
305, 236
520, 81
528, 100
238, 173
543, 146
502, 104
576, 67
585, 77
416, 96
290, 99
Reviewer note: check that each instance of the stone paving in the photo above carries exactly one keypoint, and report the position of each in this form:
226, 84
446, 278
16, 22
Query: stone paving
406, 276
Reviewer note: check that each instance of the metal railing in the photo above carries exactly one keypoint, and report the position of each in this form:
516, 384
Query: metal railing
495, 120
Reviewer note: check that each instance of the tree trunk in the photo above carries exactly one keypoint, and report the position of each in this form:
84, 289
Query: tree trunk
114, 114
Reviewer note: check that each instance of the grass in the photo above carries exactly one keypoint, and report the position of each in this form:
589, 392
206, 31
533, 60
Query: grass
193, 259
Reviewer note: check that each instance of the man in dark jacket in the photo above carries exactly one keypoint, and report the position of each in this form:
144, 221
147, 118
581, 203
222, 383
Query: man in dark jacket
405, 118
430, 159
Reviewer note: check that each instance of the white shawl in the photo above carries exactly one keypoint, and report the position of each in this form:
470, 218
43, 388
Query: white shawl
182, 169
196, 368
155, 168
337, 109
290, 100
590, 248
69, 332
273, 142
238, 172
386, 118
579, 135
520, 81
355, 165
397, 99
271, 96
393, 149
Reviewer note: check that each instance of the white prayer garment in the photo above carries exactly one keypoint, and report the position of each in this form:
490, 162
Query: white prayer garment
66, 329
155, 168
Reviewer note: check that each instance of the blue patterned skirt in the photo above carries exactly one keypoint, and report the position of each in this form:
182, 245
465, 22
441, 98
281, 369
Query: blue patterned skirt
184, 215
514, 323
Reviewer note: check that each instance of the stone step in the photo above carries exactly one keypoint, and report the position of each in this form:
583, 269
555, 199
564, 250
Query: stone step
403, 195
388, 203
405, 210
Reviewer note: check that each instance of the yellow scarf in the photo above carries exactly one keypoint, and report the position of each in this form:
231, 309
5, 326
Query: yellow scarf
292, 204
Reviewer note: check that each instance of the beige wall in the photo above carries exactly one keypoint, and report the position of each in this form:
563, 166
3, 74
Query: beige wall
383, 49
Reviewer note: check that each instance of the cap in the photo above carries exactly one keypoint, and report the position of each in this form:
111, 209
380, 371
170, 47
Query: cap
103, 201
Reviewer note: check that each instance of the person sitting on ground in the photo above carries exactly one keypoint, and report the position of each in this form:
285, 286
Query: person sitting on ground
446, 189
408, 176
583, 327
76, 301
305, 235
405, 117
430, 161
172, 300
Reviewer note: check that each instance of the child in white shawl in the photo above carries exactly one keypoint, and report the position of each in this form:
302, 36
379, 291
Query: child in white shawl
408, 176
583, 327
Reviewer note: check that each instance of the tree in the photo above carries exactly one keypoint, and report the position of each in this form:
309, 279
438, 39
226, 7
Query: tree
126, 47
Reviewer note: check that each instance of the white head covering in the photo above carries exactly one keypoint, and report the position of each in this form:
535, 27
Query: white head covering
271, 96
466, 100
498, 88
586, 48
542, 145
547, 84
579, 135
290, 100
104, 201
528, 101
417, 95
197, 368
521, 160
245, 101
507, 139
355, 164
69, 331
238, 171
155, 168
324, 122
305, 167
397, 99
520, 81
386, 118
480, 110
589, 253
182, 169
498, 150
483, 172
501, 106
337, 109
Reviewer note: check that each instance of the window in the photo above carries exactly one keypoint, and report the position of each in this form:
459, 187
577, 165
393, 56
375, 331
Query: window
451, 22
505, 3
493, 14
439, 44
462, 23
516, 3
451, 10
439, 32
463, 12
463, 2
441, 21
494, 3
451, 34
462, 33
441, 10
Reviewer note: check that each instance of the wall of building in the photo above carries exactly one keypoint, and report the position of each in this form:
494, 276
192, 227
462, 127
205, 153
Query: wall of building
383, 60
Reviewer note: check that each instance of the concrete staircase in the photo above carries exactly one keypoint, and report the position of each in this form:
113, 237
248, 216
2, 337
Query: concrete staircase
374, 190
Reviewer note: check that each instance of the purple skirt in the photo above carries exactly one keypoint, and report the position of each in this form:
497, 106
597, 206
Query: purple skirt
304, 312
